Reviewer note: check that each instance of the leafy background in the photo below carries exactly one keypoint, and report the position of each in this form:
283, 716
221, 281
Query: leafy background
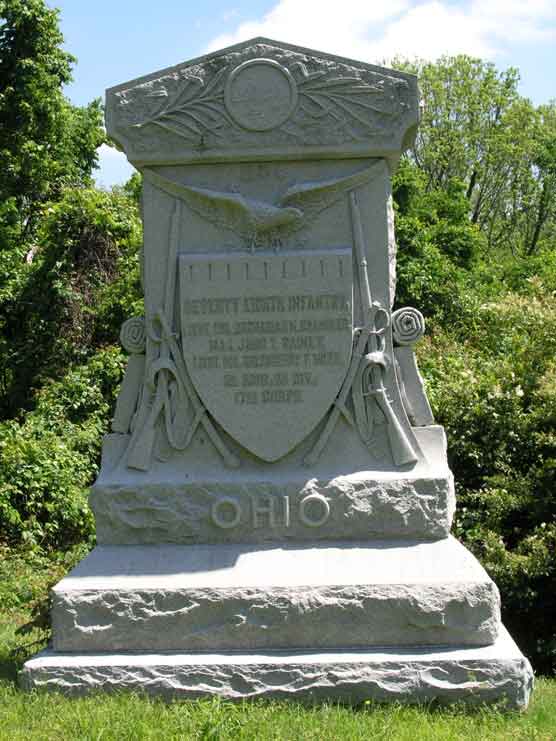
476, 229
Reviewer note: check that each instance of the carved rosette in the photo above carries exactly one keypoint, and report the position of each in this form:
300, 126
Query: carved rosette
408, 326
132, 335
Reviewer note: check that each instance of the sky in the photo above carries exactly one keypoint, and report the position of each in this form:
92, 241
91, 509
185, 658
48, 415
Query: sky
118, 40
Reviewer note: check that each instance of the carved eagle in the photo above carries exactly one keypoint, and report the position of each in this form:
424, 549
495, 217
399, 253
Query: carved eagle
260, 223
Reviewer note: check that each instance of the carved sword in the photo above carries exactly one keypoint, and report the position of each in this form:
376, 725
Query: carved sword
374, 362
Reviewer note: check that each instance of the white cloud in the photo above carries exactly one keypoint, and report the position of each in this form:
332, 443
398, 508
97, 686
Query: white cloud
114, 169
516, 20
431, 29
340, 27
376, 30
106, 152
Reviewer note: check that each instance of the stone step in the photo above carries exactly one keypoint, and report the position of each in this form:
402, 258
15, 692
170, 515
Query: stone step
471, 675
239, 597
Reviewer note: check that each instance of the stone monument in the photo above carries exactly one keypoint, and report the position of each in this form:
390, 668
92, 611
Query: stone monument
274, 505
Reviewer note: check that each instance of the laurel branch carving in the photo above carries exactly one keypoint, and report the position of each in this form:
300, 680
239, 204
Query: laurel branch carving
190, 110
336, 102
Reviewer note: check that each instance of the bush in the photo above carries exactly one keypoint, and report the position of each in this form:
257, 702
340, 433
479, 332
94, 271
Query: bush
437, 247
82, 282
49, 459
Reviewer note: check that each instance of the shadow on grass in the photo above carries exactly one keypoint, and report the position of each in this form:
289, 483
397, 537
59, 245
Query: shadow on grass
443, 707
17, 644
9, 667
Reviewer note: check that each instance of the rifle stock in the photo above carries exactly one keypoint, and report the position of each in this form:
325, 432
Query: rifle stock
356, 358
402, 450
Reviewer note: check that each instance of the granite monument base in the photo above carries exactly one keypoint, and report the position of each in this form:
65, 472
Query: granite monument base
347, 621
496, 673
193, 498
236, 597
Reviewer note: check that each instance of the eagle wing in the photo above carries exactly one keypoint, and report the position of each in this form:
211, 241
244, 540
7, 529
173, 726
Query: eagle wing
226, 210
314, 197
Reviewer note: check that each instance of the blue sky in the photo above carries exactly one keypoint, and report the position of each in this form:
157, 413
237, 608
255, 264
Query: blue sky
118, 40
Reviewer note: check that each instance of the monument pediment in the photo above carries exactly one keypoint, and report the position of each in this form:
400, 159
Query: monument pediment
263, 99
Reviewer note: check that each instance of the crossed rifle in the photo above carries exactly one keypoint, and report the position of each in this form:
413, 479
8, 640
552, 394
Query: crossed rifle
365, 377
170, 363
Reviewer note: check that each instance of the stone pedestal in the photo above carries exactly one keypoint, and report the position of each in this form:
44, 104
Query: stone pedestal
193, 498
400, 620
241, 597
274, 503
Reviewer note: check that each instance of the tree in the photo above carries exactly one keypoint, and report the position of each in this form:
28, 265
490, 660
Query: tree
47, 145
45, 142
540, 208
478, 129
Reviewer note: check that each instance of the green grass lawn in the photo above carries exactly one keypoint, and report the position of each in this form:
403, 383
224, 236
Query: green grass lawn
24, 580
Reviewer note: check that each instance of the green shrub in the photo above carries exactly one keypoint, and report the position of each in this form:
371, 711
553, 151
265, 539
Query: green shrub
50, 457
437, 247
82, 283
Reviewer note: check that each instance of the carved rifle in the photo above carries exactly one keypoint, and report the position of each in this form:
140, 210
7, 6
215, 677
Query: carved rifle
144, 429
170, 363
374, 362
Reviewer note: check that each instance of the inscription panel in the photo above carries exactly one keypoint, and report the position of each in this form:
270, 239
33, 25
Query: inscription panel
267, 341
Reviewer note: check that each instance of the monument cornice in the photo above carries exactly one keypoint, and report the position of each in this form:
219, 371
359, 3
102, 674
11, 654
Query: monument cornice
263, 100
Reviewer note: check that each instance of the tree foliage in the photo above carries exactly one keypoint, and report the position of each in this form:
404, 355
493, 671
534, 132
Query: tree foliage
47, 146
478, 129
82, 284
489, 364
45, 142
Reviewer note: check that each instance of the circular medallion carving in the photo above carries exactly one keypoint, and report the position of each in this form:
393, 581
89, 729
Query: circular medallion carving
408, 326
132, 335
260, 94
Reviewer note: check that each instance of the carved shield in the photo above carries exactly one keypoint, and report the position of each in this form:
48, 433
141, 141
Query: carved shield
267, 341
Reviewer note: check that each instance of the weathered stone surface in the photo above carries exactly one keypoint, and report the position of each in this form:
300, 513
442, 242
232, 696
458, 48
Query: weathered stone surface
412, 387
174, 500
348, 507
256, 351
238, 597
408, 327
251, 619
470, 675
279, 408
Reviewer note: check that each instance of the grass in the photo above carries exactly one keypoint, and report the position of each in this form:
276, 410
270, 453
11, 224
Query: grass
24, 581
42, 716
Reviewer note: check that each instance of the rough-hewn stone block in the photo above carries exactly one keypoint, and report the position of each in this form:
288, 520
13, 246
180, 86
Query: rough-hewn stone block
227, 597
471, 675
